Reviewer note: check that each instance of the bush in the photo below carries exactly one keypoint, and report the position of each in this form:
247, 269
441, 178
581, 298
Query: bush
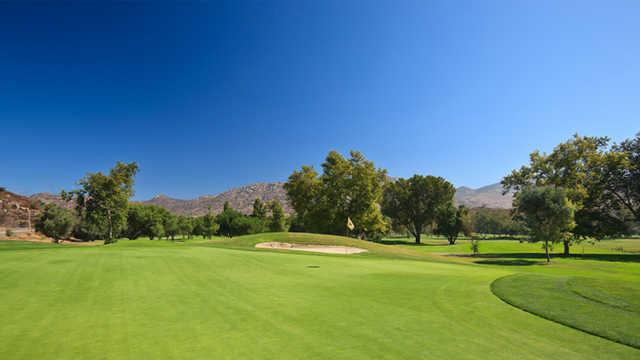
475, 246
9, 233
55, 222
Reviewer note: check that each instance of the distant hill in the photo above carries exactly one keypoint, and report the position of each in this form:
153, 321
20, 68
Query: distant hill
47, 198
489, 196
242, 199
17, 210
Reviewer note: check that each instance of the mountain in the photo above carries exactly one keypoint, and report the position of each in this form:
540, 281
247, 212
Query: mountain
241, 199
47, 198
489, 196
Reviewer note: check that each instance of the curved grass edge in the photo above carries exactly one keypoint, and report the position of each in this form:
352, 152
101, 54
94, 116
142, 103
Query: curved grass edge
557, 321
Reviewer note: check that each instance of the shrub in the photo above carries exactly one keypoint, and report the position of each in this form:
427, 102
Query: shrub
9, 233
475, 246
55, 222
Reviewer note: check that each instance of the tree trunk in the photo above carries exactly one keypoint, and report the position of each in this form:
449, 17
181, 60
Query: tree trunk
452, 240
546, 250
566, 248
417, 232
110, 235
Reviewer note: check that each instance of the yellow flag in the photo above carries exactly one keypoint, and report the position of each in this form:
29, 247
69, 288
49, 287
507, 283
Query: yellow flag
350, 225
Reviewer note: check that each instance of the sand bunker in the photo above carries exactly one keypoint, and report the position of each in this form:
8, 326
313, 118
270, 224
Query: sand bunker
329, 249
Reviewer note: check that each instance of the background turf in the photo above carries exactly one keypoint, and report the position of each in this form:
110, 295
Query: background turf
223, 299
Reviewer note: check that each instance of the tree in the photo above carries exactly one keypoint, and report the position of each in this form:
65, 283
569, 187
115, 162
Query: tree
55, 222
495, 221
136, 221
304, 193
103, 200
145, 220
259, 209
415, 202
233, 223
548, 213
209, 223
571, 165
185, 226
452, 221
225, 220
347, 188
170, 224
619, 176
277, 220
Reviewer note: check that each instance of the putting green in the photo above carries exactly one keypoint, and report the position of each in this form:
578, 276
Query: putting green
154, 299
610, 309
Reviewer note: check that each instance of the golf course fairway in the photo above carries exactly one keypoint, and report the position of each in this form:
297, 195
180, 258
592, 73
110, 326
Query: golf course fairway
147, 299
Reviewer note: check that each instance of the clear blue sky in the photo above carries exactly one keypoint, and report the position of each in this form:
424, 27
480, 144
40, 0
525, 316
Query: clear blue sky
210, 96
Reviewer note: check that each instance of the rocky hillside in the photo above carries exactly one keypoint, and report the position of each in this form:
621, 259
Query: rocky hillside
489, 196
240, 199
47, 198
17, 210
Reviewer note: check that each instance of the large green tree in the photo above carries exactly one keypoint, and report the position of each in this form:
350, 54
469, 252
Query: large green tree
571, 165
451, 221
495, 221
619, 177
144, 220
548, 213
348, 188
209, 224
103, 199
55, 222
170, 224
414, 203
277, 222
259, 209
185, 226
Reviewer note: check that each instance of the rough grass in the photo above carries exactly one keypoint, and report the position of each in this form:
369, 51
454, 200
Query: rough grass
603, 308
224, 299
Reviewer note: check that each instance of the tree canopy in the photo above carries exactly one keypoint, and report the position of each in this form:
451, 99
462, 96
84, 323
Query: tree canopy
277, 222
347, 188
548, 213
451, 221
414, 203
103, 200
55, 222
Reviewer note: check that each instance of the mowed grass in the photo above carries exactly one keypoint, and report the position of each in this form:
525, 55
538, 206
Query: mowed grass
224, 299
603, 308
505, 247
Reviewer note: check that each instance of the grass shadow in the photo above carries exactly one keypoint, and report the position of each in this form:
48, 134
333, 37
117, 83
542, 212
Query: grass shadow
507, 262
400, 242
599, 257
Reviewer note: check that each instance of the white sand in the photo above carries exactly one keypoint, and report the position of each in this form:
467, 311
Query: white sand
329, 249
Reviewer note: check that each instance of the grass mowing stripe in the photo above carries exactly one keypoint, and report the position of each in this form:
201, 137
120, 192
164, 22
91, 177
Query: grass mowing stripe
551, 298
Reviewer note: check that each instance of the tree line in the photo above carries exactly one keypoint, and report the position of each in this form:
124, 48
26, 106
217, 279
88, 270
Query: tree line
586, 187
354, 192
103, 211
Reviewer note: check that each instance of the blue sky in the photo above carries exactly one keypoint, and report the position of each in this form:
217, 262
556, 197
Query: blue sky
211, 96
